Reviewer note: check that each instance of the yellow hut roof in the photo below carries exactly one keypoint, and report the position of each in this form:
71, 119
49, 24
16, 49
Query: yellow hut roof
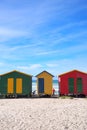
43, 72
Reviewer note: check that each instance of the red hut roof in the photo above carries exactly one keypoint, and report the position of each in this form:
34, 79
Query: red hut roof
73, 71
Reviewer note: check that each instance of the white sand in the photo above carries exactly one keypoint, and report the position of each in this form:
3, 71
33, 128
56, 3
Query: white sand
43, 114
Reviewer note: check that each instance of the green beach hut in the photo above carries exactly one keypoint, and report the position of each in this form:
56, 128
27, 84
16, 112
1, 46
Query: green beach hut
15, 83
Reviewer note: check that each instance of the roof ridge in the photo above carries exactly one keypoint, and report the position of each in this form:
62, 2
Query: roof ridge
15, 71
46, 72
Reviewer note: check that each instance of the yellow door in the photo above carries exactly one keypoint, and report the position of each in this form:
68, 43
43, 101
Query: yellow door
10, 85
18, 85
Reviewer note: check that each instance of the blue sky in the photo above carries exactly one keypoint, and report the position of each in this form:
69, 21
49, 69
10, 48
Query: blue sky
38, 35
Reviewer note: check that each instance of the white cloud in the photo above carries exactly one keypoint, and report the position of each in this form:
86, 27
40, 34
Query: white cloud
35, 66
43, 31
23, 68
7, 33
47, 52
70, 37
51, 65
78, 48
32, 68
58, 30
55, 67
2, 64
68, 64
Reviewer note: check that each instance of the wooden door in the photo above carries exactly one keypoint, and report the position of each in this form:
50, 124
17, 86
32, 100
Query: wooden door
71, 85
79, 85
41, 85
10, 85
19, 85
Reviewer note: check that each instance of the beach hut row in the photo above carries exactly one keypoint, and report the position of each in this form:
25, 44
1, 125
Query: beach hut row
18, 84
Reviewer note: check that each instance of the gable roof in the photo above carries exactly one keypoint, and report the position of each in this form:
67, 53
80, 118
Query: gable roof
43, 72
73, 71
17, 72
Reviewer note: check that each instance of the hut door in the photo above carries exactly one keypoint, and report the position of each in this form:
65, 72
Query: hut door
10, 85
79, 85
71, 85
18, 85
41, 85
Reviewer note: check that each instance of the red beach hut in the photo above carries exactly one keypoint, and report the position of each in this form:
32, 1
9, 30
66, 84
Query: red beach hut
73, 83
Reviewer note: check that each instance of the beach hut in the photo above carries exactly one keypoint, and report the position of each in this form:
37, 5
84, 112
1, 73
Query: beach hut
44, 83
15, 83
73, 83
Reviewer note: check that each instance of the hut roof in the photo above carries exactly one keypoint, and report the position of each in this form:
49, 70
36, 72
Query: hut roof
17, 72
43, 72
73, 71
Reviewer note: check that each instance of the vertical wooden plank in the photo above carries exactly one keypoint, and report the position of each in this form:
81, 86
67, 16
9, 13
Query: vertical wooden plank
10, 85
18, 85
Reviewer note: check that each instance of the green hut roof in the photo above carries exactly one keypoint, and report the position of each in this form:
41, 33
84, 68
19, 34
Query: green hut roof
17, 72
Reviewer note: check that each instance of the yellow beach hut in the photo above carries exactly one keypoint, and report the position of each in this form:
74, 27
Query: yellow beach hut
44, 83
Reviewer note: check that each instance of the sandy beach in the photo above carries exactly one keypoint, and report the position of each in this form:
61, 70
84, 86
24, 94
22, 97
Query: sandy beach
43, 114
